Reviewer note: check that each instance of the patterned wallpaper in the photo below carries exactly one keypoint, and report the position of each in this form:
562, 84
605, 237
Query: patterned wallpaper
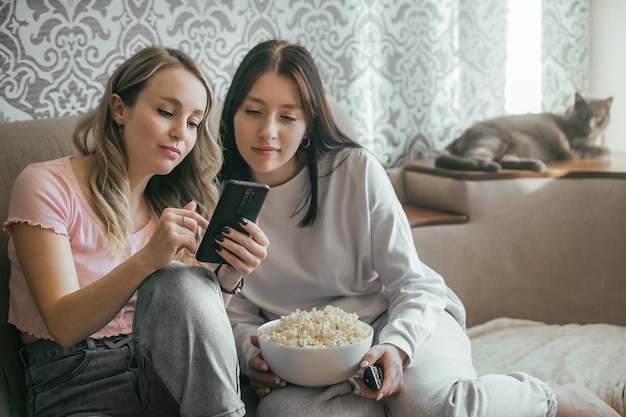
412, 73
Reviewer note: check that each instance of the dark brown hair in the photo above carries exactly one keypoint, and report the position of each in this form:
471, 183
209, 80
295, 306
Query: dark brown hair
295, 62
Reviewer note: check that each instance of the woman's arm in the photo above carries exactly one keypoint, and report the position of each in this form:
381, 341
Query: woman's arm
416, 293
243, 252
70, 313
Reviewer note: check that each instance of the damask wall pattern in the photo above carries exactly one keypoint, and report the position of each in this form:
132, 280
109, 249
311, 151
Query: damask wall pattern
412, 73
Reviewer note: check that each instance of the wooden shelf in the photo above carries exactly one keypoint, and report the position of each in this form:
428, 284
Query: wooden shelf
423, 216
419, 216
612, 168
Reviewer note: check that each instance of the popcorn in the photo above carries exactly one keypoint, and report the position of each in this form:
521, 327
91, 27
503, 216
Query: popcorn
330, 327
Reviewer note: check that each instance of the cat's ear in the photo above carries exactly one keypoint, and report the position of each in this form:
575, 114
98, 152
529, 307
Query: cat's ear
608, 102
579, 98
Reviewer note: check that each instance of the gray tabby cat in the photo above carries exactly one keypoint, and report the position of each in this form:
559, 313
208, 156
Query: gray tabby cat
527, 141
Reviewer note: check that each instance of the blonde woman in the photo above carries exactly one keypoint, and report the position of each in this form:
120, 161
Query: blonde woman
112, 321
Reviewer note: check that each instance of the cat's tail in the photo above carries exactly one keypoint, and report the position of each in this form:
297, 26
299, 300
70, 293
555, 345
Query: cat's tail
449, 161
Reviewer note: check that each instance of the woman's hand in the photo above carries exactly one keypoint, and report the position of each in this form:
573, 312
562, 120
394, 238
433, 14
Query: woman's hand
262, 380
243, 252
176, 230
391, 359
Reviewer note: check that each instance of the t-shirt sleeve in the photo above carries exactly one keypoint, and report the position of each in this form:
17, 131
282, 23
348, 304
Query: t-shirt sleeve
39, 198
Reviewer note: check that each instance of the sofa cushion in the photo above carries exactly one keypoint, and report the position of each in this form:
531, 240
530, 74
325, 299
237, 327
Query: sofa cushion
21, 143
590, 354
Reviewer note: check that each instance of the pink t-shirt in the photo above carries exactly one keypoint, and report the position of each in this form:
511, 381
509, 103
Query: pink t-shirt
47, 194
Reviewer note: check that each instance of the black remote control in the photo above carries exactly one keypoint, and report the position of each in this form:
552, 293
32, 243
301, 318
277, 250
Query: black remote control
373, 377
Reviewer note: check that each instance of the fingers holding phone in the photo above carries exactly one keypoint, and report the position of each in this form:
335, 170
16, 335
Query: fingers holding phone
228, 234
243, 251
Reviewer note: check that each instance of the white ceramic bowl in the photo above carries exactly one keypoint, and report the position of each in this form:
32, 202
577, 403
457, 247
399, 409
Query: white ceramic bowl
313, 367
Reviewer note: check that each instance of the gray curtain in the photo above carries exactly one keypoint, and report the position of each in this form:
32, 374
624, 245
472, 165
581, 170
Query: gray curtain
412, 73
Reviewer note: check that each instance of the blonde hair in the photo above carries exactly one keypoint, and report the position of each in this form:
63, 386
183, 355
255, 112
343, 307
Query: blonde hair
97, 134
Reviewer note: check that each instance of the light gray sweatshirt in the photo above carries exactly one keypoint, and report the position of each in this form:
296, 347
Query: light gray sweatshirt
359, 255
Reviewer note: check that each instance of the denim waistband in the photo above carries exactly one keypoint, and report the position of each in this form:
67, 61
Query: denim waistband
45, 349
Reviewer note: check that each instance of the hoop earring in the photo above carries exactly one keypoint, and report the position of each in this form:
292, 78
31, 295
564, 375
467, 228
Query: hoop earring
306, 142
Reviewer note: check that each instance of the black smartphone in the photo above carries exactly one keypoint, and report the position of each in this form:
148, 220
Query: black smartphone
238, 199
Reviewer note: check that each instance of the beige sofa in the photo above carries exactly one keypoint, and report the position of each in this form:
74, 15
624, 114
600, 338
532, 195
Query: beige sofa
533, 250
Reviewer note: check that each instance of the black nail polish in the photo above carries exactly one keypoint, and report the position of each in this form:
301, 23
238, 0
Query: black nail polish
243, 221
219, 237
226, 230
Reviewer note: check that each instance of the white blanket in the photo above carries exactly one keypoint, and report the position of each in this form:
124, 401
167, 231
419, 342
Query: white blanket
593, 354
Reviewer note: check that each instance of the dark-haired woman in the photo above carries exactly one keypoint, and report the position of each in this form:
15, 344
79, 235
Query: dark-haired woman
339, 236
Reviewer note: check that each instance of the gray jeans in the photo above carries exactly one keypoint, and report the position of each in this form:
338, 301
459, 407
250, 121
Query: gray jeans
440, 382
180, 360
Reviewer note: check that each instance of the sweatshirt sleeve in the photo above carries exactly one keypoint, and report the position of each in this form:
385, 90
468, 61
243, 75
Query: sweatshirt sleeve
416, 293
245, 318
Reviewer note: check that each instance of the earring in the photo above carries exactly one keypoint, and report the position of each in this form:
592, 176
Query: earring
306, 142
120, 128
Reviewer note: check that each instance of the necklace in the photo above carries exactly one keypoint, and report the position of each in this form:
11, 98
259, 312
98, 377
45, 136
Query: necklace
141, 221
